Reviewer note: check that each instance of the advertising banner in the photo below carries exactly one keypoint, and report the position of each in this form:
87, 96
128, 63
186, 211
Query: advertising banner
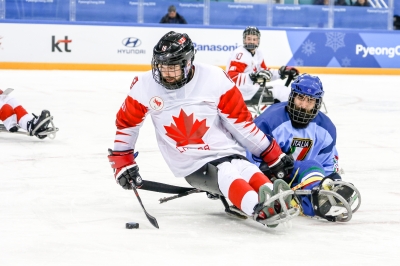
344, 49
132, 46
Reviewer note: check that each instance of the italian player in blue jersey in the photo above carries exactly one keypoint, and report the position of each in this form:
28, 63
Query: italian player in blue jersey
309, 136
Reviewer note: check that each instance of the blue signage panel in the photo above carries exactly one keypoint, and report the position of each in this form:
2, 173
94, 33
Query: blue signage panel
344, 49
54, 10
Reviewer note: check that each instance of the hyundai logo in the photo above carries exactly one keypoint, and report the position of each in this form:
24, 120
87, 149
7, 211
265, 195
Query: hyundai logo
131, 42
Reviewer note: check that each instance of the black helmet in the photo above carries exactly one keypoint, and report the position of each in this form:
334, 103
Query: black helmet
251, 31
173, 49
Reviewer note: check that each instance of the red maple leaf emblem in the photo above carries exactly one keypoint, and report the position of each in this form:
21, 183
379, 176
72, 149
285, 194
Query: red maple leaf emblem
185, 131
157, 102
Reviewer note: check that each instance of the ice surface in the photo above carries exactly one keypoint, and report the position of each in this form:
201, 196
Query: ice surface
59, 204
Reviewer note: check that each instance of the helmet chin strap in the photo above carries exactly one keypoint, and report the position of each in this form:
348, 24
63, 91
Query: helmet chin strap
252, 51
190, 73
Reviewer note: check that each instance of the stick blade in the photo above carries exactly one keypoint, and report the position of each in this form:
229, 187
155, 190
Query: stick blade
152, 220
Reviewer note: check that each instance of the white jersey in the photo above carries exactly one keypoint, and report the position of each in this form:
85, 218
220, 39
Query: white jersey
242, 63
204, 120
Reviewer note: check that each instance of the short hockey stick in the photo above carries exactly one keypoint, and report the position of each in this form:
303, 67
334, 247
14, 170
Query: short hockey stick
151, 219
163, 188
186, 193
289, 79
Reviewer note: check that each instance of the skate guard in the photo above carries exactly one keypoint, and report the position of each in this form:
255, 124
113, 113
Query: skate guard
334, 207
50, 132
285, 215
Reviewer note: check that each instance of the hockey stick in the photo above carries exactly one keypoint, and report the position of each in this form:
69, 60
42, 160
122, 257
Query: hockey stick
151, 219
289, 79
6, 92
163, 188
165, 199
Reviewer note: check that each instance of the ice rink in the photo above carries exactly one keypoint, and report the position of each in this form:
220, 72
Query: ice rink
59, 204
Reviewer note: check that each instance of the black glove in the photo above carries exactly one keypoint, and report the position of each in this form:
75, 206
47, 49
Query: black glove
125, 168
128, 176
280, 170
261, 77
285, 71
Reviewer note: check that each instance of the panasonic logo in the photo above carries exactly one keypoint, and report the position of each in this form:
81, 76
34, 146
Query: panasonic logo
214, 47
387, 51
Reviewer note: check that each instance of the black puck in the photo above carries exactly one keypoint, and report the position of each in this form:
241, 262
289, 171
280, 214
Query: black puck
132, 225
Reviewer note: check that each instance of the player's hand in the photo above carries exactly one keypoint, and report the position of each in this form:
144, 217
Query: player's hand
261, 77
286, 71
126, 171
276, 163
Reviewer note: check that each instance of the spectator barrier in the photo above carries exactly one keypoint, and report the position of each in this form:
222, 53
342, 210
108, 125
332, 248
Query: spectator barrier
129, 47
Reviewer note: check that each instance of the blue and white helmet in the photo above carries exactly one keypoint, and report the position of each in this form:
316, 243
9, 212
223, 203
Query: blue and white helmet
311, 87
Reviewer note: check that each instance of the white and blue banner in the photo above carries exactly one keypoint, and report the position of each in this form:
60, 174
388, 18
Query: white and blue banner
336, 48
133, 45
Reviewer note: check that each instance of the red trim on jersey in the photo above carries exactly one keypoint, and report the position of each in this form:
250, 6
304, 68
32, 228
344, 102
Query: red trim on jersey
237, 190
232, 104
121, 133
130, 114
20, 112
239, 68
6, 111
263, 65
257, 180
240, 80
120, 141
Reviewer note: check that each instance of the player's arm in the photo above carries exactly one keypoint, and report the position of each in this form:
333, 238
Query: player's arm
329, 160
130, 118
243, 80
328, 155
237, 119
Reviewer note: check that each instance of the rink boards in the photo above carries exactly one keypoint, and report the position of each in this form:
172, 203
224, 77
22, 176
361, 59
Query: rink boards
129, 47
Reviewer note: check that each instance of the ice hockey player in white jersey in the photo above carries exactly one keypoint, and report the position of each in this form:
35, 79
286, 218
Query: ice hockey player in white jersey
309, 136
247, 68
14, 116
200, 119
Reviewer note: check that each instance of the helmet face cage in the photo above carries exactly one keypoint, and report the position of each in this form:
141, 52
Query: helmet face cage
251, 31
173, 49
301, 115
309, 87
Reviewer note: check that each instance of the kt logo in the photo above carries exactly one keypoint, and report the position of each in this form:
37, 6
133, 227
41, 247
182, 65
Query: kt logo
54, 44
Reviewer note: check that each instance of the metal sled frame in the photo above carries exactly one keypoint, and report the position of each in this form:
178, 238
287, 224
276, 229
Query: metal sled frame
261, 100
50, 132
206, 179
285, 215
342, 210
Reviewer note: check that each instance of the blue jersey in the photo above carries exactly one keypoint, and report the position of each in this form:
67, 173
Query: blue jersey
315, 142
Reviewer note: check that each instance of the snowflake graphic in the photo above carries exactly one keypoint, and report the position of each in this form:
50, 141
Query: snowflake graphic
299, 62
308, 48
335, 40
346, 62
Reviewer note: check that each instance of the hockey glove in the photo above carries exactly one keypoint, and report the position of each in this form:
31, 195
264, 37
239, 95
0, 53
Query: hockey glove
285, 71
126, 171
276, 163
261, 77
